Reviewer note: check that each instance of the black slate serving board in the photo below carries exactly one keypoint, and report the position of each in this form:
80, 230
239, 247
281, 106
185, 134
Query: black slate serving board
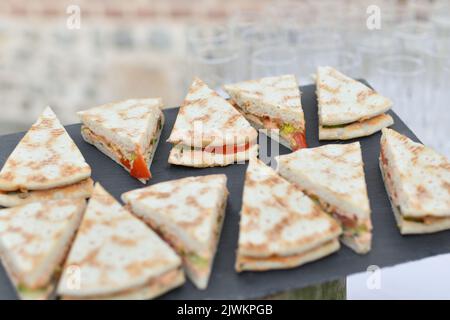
388, 248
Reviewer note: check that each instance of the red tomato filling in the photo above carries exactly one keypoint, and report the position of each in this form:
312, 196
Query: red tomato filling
299, 141
138, 168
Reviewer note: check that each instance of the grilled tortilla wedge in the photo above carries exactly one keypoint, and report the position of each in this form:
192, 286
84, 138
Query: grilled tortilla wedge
280, 226
126, 131
116, 256
209, 132
44, 162
417, 180
188, 213
82, 189
347, 108
34, 241
272, 103
334, 176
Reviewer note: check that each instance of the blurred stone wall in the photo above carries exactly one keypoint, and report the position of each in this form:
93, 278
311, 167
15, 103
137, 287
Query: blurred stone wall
123, 49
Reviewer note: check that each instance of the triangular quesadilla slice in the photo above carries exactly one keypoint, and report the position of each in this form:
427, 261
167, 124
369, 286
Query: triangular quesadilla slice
34, 241
209, 131
280, 226
417, 180
126, 131
116, 256
347, 108
82, 189
45, 159
272, 103
334, 176
188, 213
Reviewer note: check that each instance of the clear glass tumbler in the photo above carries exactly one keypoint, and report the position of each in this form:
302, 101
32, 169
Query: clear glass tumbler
401, 77
216, 66
274, 61
314, 48
255, 38
439, 119
371, 47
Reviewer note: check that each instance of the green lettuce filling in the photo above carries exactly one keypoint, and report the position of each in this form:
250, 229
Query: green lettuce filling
24, 290
197, 260
358, 230
287, 129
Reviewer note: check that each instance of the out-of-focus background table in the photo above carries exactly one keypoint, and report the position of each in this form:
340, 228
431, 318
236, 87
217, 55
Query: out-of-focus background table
147, 48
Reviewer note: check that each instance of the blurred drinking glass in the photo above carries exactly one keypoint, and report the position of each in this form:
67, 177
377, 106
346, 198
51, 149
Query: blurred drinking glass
394, 13
314, 48
328, 13
216, 66
422, 9
211, 55
443, 113
273, 61
414, 36
440, 18
371, 47
291, 14
255, 38
401, 77
199, 36
435, 56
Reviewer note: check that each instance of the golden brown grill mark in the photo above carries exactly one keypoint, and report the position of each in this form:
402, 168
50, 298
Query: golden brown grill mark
271, 181
90, 258
192, 201
87, 225
45, 123
136, 269
195, 222
8, 176
126, 242
446, 186
105, 200
205, 117
36, 165
334, 74
57, 132
157, 194
333, 158
251, 211
38, 178
361, 96
287, 98
328, 88
331, 101
232, 119
255, 247
422, 192
280, 201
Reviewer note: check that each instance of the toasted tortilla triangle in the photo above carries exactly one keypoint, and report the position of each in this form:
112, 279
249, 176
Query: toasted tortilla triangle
279, 223
247, 263
34, 241
207, 119
116, 255
334, 175
188, 213
45, 158
417, 179
82, 190
342, 100
270, 103
125, 131
356, 129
